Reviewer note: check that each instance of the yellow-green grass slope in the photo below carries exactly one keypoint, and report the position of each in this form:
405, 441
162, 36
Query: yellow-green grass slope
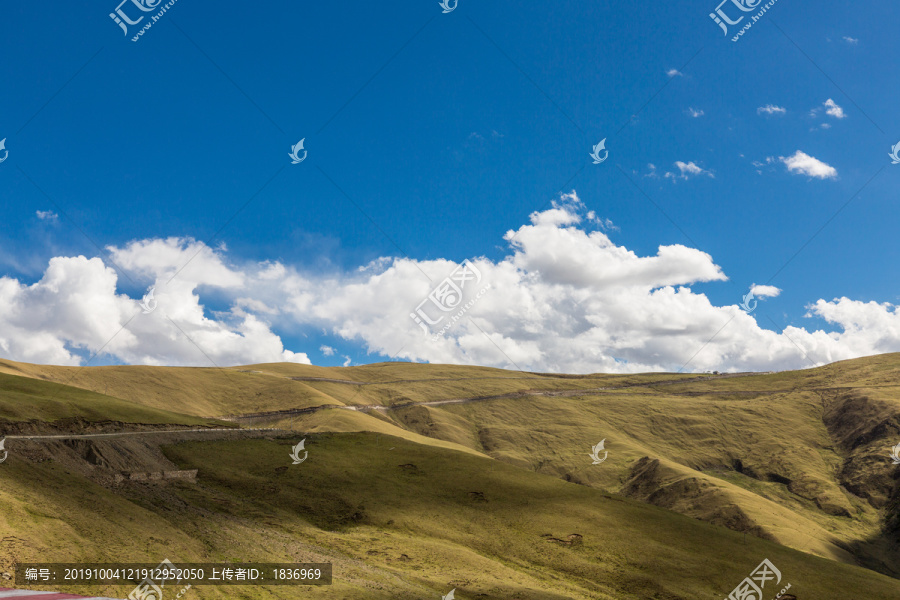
272, 387
399, 520
25, 400
799, 458
795, 457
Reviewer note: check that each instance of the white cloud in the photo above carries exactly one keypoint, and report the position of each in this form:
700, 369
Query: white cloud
254, 305
193, 261
764, 291
834, 110
850, 40
326, 350
564, 297
687, 170
47, 215
75, 308
376, 266
831, 109
762, 163
868, 327
803, 163
604, 223
674, 73
771, 109
695, 112
271, 271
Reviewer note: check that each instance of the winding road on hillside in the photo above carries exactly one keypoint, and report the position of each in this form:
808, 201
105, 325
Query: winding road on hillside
365, 408
85, 436
520, 394
537, 376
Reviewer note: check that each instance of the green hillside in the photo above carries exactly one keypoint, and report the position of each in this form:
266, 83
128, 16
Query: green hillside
24, 399
471, 478
399, 520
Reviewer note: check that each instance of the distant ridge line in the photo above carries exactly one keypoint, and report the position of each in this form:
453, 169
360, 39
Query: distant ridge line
351, 382
547, 375
520, 394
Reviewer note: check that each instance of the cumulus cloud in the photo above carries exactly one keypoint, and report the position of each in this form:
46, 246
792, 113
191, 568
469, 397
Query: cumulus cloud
694, 112
47, 215
564, 297
833, 109
850, 40
771, 109
191, 260
764, 291
602, 222
868, 327
75, 309
674, 73
687, 170
805, 164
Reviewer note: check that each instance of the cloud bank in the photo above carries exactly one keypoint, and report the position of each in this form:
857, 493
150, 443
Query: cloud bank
564, 297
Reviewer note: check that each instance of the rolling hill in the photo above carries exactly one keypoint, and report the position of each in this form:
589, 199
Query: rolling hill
425, 478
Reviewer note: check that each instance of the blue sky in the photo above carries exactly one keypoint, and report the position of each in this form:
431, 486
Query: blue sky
429, 136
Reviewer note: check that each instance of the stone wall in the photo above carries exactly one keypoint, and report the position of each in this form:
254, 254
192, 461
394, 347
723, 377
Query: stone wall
157, 476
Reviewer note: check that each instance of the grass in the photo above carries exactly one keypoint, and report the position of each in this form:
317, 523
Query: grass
451, 519
490, 483
25, 399
468, 522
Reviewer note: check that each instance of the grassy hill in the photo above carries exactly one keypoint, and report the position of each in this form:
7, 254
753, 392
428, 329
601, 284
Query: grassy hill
488, 489
400, 520
29, 400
